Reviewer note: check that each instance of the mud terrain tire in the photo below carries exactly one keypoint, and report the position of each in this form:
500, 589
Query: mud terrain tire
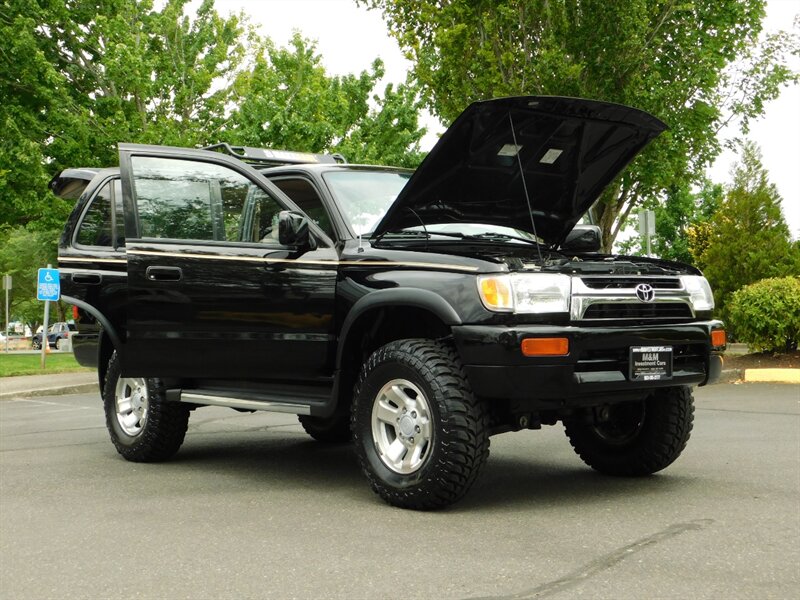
637, 438
420, 434
144, 427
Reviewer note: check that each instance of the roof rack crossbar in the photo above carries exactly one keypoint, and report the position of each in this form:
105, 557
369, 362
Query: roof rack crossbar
267, 156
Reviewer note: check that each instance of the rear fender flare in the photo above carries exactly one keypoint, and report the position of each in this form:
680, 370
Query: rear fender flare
101, 318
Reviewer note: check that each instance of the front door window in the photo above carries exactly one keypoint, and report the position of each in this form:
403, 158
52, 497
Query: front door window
191, 200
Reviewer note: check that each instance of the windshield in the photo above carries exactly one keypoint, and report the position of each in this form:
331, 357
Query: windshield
365, 196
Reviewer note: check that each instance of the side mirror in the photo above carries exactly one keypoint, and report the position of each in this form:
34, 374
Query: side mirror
293, 230
583, 238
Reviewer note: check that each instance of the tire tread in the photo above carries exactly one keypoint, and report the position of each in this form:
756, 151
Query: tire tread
668, 426
464, 428
164, 430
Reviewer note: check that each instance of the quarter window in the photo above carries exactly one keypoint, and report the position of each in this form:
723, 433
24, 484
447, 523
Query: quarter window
99, 227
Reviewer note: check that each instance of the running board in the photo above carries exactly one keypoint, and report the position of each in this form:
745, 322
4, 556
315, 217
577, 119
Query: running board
244, 403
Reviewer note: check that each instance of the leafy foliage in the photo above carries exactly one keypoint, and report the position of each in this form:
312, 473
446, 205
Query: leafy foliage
667, 57
287, 100
747, 239
78, 77
766, 314
682, 212
22, 252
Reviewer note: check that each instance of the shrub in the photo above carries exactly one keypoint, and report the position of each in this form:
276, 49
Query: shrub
766, 314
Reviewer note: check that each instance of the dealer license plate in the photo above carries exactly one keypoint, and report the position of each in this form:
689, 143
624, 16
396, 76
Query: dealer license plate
650, 363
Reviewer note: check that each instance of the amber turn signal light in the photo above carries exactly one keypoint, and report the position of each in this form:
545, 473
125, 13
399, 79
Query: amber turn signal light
545, 346
718, 338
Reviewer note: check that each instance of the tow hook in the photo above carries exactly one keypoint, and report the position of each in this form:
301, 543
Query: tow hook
529, 421
602, 413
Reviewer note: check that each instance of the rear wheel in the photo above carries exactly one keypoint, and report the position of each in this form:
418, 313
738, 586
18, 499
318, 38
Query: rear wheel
144, 427
59, 344
420, 434
634, 438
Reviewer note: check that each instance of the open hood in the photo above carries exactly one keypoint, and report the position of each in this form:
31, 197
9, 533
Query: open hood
569, 150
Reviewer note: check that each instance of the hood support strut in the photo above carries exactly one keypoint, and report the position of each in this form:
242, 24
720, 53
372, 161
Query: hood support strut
525, 186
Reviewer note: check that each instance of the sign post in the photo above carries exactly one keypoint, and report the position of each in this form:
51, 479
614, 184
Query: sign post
647, 227
48, 288
7, 288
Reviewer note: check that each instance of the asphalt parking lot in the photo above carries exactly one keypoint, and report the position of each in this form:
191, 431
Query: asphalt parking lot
253, 508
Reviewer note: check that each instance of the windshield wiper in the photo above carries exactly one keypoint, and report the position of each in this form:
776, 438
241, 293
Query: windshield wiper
417, 234
503, 236
482, 237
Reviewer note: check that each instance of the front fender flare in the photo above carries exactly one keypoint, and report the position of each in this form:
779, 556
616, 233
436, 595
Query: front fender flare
417, 298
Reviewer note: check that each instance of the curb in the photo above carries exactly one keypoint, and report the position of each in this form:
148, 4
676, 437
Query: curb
788, 376
772, 376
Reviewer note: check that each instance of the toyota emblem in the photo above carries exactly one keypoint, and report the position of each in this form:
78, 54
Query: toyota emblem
645, 292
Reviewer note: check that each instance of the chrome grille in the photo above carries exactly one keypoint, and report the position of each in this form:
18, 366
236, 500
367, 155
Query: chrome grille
599, 298
615, 283
615, 310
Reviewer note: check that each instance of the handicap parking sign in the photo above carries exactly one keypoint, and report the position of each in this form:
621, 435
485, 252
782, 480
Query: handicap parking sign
49, 285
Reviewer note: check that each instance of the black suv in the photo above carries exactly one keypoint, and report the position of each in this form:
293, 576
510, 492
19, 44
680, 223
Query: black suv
416, 314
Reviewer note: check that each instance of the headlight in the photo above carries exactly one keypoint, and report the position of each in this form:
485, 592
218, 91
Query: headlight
700, 291
526, 292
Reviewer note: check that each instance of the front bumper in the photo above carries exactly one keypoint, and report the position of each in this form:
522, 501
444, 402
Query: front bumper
595, 370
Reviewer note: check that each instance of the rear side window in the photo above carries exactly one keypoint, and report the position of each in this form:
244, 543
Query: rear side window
102, 224
190, 200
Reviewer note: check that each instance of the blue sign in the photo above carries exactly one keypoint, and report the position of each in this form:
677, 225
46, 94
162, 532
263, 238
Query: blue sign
49, 286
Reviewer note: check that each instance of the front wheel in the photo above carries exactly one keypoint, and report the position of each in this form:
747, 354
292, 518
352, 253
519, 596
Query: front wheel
634, 438
144, 427
420, 435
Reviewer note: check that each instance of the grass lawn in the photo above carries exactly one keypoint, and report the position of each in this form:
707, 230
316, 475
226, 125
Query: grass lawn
30, 364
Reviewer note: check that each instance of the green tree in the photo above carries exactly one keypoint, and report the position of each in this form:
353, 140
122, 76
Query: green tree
683, 210
287, 100
77, 77
670, 58
748, 238
389, 135
22, 252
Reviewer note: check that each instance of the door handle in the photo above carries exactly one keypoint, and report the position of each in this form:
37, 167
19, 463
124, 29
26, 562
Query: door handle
164, 273
87, 278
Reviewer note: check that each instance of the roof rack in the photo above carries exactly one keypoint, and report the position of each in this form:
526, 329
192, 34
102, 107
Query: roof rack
266, 156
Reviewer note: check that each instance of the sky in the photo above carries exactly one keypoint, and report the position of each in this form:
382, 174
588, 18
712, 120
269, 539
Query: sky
350, 37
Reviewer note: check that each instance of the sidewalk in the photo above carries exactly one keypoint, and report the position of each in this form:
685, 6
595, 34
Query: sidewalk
29, 386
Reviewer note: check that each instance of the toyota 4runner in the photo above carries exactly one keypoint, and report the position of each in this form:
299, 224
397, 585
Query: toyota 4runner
416, 314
